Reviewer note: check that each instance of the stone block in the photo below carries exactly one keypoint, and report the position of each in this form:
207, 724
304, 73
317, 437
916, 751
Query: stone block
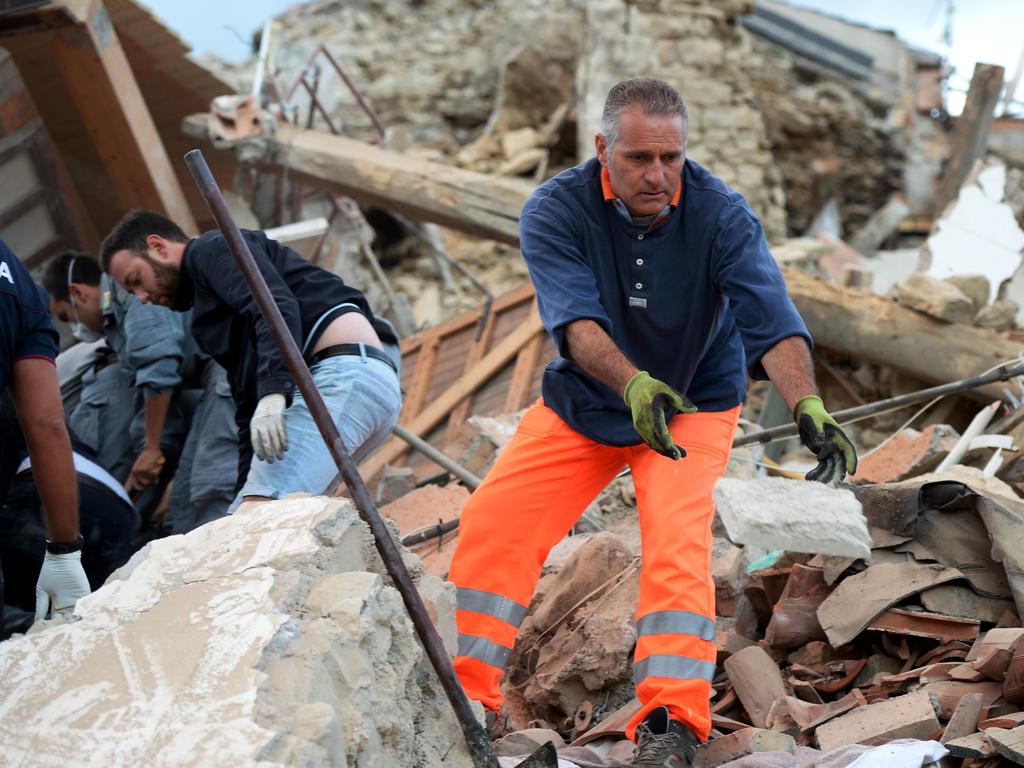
795, 516
909, 454
394, 483
974, 287
911, 716
258, 639
934, 297
748, 741
1000, 315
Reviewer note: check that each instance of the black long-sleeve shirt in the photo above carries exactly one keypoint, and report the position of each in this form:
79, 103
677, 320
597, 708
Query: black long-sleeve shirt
228, 325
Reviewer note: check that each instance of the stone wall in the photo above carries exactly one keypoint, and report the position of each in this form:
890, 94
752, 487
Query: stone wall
701, 49
827, 139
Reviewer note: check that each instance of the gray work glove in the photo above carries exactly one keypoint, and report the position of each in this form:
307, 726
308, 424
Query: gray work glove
267, 430
62, 581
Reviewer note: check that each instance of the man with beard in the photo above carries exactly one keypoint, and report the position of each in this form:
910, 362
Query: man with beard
331, 322
187, 408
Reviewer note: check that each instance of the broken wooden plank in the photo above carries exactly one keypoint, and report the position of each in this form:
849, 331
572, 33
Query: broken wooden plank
524, 374
492, 362
475, 203
970, 132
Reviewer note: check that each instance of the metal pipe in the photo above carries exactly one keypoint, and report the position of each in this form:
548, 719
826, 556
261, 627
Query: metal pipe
476, 738
1002, 373
468, 479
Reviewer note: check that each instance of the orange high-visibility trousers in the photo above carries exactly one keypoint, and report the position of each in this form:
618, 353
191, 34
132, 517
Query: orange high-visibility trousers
541, 483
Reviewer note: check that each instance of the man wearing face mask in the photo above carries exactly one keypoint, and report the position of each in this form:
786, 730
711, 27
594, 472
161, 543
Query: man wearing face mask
157, 348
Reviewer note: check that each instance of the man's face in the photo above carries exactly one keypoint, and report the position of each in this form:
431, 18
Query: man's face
645, 162
151, 280
86, 307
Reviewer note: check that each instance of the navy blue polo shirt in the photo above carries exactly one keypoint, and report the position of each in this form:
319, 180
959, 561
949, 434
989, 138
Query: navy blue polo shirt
25, 326
695, 299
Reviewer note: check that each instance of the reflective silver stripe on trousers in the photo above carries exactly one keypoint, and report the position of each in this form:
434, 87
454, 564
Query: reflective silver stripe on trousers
488, 603
677, 667
676, 623
482, 649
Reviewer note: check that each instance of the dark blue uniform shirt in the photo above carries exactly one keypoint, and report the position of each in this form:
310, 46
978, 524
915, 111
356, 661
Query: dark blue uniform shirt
695, 299
25, 326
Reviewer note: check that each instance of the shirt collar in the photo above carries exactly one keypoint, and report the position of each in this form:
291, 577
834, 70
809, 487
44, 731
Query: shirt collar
609, 197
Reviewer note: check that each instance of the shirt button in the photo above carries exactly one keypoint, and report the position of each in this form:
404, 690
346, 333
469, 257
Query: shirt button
639, 286
639, 237
639, 262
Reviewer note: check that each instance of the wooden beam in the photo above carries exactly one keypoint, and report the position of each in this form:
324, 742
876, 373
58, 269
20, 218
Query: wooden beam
421, 376
432, 415
460, 412
879, 330
523, 375
112, 110
478, 204
970, 134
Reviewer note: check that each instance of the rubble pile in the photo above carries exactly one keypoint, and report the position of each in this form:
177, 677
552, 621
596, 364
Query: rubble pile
267, 638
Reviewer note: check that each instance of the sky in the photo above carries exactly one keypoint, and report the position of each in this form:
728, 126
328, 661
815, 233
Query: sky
981, 30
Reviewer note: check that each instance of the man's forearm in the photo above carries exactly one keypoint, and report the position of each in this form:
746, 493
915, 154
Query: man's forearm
37, 399
593, 350
791, 370
155, 411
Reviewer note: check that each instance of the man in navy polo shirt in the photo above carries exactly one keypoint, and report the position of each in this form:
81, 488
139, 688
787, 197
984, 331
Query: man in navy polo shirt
28, 348
655, 282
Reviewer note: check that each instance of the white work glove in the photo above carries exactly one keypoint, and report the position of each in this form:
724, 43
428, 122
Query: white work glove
62, 581
266, 429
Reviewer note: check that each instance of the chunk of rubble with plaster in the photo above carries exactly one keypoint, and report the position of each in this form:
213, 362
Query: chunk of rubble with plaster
793, 515
269, 638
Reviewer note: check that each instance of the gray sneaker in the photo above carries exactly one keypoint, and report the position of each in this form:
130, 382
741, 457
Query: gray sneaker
663, 743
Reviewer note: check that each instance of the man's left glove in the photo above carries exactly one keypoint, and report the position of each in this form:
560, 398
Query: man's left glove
62, 581
822, 436
266, 429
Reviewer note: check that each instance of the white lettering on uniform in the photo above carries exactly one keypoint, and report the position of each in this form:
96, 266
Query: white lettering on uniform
5, 272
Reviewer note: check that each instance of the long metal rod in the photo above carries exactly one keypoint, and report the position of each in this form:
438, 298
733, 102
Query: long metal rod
476, 738
443, 460
1002, 373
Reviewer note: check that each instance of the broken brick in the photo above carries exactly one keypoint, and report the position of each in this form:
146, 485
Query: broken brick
902, 717
909, 454
748, 741
756, 680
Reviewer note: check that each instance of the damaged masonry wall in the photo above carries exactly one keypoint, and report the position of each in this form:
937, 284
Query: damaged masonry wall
268, 638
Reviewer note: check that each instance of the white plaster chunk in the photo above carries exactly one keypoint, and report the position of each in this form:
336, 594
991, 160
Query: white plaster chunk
257, 640
794, 516
979, 235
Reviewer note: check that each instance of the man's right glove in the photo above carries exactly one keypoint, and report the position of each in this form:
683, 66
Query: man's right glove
61, 582
648, 399
266, 429
822, 436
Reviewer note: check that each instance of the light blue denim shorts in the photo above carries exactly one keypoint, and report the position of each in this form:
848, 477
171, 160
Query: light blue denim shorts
364, 397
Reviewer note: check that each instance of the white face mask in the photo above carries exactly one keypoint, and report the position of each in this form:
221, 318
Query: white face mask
79, 329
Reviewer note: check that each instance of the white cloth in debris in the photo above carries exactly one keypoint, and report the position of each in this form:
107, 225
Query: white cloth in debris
902, 754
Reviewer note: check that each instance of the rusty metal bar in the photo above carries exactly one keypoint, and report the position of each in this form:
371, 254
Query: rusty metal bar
476, 738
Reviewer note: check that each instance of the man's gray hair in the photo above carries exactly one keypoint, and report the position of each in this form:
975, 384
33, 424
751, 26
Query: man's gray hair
645, 94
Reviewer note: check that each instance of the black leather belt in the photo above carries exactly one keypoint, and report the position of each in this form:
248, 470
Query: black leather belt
335, 350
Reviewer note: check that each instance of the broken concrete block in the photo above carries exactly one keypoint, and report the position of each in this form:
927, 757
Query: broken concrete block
975, 287
748, 741
909, 454
902, 717
935, 298
792, 515
1009, 744
1000, 315
265, 638
975, 745
394, 483
727, 573
756, 680
862, 597
946, 694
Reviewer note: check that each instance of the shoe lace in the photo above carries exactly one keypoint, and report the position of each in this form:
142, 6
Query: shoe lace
650, 745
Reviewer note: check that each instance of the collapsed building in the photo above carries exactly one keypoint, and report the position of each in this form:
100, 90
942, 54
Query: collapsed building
404, 167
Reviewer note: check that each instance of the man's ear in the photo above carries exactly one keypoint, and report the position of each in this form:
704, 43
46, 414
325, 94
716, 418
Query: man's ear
602, 148
156, 246
77, 292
